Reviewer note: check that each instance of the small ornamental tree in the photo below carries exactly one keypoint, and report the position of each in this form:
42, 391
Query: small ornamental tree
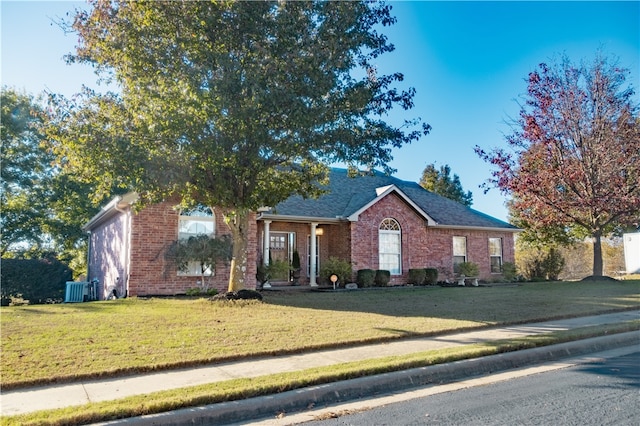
575, 166
237, 105
203, 251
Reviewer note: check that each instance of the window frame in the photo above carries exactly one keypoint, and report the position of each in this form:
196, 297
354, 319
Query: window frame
493, 256
457, 255
390, 227
198, 214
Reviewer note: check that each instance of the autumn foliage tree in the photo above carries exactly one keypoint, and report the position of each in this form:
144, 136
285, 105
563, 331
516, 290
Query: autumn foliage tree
574, 168
236, 105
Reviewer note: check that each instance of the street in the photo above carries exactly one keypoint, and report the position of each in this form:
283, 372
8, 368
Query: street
605, 391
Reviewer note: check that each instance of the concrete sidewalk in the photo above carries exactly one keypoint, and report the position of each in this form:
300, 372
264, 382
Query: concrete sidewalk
50, 397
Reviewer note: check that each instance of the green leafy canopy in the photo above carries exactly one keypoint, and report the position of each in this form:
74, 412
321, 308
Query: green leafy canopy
237, 105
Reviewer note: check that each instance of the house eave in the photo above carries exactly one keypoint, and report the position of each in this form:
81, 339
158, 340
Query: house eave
116, 205
478, 228
299, 219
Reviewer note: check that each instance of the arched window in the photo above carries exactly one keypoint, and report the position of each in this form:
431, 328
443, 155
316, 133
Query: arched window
389, 246
194, 223
197, 221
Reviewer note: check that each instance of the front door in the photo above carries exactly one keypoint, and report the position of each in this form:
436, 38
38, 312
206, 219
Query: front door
280, 250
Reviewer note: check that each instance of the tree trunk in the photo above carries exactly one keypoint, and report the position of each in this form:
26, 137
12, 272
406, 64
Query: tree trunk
597, 254
238, 222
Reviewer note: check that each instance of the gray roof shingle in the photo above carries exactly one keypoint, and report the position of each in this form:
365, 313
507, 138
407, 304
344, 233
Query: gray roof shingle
347, 195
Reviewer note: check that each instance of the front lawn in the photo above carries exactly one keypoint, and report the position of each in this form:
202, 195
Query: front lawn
46, 343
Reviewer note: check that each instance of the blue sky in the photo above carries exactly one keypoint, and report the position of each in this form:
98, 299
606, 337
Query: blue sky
467, 61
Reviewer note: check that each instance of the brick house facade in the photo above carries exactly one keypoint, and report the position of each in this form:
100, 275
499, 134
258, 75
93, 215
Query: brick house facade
127, 248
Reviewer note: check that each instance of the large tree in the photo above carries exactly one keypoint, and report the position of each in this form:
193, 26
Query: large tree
24, 172
442, 183
575, 165
236, 105
43, 208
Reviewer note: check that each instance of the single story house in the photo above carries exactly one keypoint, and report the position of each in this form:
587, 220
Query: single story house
374, 222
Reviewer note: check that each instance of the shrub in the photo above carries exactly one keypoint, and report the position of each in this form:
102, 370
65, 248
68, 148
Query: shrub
295, 261
468, 269
431, 276
36, 280
366, 277
197, 291
509, 271
275, 268
417, 276
382, 278
553, 263
545, 266
337, 266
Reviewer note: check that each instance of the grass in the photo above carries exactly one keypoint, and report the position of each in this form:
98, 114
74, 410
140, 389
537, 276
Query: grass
56, 343
245, 388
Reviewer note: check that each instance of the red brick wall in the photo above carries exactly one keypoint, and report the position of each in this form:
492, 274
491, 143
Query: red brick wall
153, 230
422, 246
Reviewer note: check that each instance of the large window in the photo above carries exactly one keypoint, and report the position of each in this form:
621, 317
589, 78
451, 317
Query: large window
389, 238
495, 255
459, 251
194, 223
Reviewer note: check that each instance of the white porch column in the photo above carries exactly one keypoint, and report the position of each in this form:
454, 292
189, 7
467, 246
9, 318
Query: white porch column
265, 243
313, 250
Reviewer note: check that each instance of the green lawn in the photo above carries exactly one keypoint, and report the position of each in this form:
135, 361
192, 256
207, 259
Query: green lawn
47, 343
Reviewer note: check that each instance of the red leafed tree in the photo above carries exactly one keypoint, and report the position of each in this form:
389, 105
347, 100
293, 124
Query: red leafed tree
574, 164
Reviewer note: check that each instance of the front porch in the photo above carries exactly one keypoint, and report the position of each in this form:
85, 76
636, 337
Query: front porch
279, 240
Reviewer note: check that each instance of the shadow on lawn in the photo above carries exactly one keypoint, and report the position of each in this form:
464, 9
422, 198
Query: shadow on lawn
488, 305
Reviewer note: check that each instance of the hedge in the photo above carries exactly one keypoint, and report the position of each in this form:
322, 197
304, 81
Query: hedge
37, 280
365, 277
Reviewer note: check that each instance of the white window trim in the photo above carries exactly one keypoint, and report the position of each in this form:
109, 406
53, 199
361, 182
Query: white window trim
453, 251
491, 256
391, 227
190, 215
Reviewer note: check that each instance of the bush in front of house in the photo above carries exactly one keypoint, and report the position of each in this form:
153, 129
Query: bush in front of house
468, 269
337, 266
365, 277
431, 276
417, 276
35, 280
382, 278
197, 291
509, 272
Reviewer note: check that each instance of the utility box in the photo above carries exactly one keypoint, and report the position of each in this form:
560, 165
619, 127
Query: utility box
76, 292
632, 252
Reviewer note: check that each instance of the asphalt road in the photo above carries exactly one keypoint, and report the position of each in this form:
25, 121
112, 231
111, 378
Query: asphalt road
605, 391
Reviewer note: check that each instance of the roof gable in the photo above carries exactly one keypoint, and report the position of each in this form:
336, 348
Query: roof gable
382, 192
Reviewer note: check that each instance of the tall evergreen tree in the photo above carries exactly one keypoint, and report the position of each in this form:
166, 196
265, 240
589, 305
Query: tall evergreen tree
442, 183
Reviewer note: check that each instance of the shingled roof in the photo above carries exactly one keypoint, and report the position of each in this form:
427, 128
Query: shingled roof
348, 196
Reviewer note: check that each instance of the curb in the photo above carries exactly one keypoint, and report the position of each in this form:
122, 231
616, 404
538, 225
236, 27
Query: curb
330, 393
